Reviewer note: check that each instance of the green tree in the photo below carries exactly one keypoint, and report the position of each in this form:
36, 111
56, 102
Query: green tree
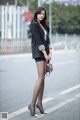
65, 19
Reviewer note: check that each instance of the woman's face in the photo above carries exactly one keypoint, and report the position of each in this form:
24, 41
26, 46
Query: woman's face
41, 15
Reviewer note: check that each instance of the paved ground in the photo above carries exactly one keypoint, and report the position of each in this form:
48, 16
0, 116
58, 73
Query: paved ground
66, 107
62, 88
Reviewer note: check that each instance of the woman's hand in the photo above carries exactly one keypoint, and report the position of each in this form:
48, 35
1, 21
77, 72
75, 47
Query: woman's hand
50, 54
46, 56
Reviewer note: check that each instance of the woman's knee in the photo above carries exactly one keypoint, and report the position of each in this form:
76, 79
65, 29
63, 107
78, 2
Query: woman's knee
41, 77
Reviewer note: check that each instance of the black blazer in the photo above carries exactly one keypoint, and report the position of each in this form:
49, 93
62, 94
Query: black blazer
38, 42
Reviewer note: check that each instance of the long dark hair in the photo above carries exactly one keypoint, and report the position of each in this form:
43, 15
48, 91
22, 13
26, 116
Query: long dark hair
43, 22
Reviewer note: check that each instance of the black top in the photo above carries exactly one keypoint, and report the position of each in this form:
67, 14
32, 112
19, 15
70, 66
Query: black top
39, 42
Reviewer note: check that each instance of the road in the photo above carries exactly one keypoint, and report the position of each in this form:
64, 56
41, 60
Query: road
18, 75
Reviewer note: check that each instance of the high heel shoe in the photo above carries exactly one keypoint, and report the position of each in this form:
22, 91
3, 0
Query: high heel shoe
31, 111
40, 109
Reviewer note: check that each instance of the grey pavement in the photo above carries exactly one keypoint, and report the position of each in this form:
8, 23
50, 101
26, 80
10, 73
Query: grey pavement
62, 88
65, 107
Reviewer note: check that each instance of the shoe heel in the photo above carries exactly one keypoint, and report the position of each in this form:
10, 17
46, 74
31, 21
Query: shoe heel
41, 110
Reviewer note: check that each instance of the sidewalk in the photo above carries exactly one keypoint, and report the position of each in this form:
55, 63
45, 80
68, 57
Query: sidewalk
30, 54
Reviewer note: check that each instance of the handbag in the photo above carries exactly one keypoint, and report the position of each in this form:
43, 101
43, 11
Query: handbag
49, 68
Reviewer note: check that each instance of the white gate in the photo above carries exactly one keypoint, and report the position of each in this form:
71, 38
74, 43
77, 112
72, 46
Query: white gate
13, 30
11, 21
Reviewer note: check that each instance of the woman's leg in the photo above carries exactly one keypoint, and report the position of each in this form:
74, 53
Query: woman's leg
40, 96
39, 86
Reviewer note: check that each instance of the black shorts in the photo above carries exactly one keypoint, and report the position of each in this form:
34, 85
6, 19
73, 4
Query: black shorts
39, 59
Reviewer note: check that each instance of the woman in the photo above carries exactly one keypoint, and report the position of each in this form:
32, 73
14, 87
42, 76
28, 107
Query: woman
41, 52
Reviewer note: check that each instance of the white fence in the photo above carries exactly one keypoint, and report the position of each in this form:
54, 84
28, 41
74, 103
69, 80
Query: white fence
12, 25
13, 30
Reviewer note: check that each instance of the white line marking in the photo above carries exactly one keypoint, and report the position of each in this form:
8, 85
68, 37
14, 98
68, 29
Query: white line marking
66, 62
25, 109
11, 115
61, 104
70, 89
47, 100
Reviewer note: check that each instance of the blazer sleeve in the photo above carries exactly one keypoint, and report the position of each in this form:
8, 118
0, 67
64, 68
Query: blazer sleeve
36, 35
